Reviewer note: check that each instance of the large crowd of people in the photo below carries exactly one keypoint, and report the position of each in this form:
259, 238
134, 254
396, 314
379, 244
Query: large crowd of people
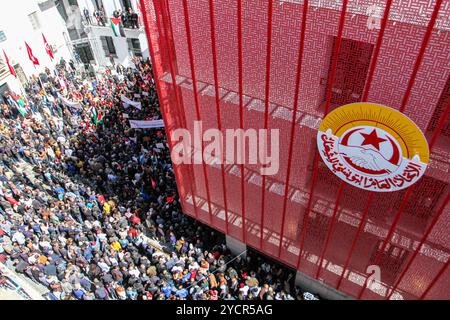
89, 207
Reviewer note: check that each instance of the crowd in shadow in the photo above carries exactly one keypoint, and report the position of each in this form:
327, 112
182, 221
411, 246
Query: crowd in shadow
89, 207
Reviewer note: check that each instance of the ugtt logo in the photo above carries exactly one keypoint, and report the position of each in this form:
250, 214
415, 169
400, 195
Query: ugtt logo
373, 147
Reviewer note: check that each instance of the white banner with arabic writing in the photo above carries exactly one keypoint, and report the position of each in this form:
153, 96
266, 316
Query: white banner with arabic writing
146, 124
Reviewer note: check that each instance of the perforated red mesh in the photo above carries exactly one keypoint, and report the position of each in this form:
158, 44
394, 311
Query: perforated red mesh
390, 52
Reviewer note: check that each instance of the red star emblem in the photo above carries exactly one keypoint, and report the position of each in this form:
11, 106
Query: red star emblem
372, 139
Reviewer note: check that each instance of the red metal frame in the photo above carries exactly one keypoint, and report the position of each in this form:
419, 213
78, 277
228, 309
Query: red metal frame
194, 85
373, 62
334, 59
420, 56
433, 282
364, 98
158, 87
266, 112
327, 107
216, 87
422, 241
294, 117
330, 229
419, 59
389, 235
179, 99
241, 111
308, 208
361, 225
441, 124
402, 108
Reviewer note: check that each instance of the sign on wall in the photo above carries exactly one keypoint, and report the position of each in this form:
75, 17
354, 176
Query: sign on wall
373, 147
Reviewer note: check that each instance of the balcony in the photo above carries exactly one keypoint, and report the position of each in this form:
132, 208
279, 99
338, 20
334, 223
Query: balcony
101, 26
107, 31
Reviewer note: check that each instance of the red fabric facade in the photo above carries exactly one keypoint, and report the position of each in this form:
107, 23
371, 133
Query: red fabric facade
254, 64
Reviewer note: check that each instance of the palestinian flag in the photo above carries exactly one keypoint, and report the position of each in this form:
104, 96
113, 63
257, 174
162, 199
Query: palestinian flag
19, 104
116, 26
22, 110
96, 117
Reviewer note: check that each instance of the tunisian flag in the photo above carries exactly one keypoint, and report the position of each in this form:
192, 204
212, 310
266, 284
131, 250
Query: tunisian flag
30, 55
48, 49
11, 69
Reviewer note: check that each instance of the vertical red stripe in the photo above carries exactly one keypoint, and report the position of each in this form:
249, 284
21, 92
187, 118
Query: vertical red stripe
241, 111
334, 59
266, 112
294, 117
402, 108
197, 104
373, 62
327, 107
433, 282
157, 76
330, 229
364, 98
436, 133
164, 9
422, 241
419, 58
390, 234
303, 233
362, 223
442, 122
216, 86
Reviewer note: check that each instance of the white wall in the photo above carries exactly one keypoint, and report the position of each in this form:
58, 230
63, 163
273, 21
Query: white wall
15, 23
95, 32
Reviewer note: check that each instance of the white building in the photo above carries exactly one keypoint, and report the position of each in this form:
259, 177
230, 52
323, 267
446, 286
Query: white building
96, 43
68, 32
27, 20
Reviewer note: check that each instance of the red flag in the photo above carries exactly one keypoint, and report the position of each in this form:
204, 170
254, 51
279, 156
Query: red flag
153, 183
48, 49
11, 69
30, 55
170, 199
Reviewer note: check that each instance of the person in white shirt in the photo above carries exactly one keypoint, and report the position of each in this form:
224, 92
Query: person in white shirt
244, 290
19, 238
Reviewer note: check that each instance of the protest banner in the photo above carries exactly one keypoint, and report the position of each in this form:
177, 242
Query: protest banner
146, 124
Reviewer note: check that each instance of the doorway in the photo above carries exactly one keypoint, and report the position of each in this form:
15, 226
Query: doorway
351, 72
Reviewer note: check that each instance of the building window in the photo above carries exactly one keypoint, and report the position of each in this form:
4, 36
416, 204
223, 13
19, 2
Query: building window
61, 9
134, 47
73, 3
2, 36
73, 34
353, 62
108, 46
34, 19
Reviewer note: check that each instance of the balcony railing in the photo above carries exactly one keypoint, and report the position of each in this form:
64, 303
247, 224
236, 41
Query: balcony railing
99, 19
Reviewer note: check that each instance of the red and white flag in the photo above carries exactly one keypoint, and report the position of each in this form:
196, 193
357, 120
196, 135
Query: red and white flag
30, 55
48, 49
11, 69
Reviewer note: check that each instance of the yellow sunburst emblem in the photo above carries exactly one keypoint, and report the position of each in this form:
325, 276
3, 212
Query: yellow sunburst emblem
373, 147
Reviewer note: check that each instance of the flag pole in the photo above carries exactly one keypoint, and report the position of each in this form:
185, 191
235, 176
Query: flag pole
40, 81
